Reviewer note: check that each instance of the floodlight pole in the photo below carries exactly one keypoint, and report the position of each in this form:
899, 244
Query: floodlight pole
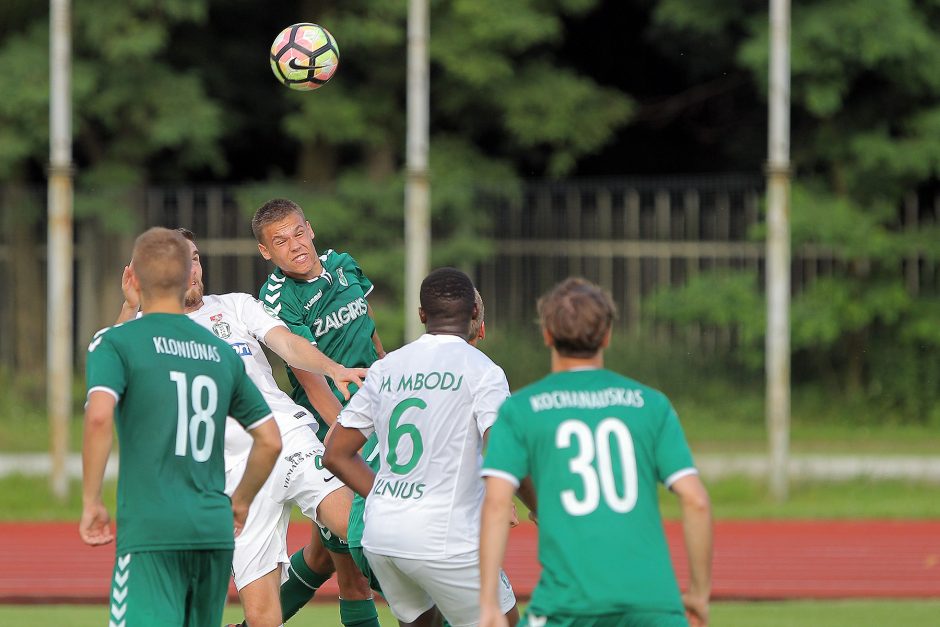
59, 349
417, 185
59, 244
778, 251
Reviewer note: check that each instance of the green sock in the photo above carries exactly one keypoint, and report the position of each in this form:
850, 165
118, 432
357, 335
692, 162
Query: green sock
358, 613
300, 586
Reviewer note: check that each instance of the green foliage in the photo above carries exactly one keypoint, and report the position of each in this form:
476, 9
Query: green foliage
866, 80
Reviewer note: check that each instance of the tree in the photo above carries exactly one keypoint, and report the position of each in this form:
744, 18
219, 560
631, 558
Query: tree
866, 88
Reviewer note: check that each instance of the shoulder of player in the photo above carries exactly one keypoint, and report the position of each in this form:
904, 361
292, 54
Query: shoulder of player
652, 397
332, 259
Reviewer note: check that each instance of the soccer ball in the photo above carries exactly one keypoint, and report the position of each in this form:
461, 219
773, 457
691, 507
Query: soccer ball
304, 56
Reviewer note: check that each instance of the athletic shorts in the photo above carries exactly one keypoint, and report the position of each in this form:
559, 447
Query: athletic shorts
620, 619
412, 587
159, 588
298, 479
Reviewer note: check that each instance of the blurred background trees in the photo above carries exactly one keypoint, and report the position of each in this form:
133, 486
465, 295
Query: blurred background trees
180, 92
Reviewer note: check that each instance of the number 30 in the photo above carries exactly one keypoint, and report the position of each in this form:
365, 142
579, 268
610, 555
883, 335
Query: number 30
598, 445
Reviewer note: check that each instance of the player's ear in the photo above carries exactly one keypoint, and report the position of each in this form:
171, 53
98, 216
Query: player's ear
482, 334
476, 312
547, 338
422, 316
264, 251
606, 341
310, 230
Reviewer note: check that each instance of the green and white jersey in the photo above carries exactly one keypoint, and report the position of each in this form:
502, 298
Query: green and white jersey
595, 444
175, 383
429, 403
331, 311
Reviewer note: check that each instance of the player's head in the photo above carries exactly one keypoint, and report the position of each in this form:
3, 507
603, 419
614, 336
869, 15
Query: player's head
477, 328
286, 238
196, 289
576, 318
447, 300
162, 264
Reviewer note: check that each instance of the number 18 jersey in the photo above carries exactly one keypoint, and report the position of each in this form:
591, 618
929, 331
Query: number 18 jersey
596, 445
174, 383
429, 403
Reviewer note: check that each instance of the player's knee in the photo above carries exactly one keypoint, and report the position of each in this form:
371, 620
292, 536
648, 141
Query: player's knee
318, 558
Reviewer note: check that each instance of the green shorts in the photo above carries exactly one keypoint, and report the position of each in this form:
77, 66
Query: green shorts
159, 588
331, 541
356, 553
620, 619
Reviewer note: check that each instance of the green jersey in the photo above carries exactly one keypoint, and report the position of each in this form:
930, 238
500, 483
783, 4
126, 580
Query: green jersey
175, 383
332, 312
595, 444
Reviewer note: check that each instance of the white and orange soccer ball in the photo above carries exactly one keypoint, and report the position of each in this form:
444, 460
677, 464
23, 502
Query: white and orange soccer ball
304, 56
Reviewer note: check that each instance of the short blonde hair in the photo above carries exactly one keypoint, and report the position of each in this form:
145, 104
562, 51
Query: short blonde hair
162, 262
578, 315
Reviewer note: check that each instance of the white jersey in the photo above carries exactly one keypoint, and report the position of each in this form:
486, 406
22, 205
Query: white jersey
429, 403
242, 321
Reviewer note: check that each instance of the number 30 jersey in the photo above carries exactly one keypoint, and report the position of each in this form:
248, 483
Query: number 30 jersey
429, 403
596, 445
175, 383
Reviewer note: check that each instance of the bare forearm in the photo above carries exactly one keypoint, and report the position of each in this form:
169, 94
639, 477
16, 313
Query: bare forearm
697, 530
351, 470
320, 394
96, 447
261, 460
494, 534
297, 351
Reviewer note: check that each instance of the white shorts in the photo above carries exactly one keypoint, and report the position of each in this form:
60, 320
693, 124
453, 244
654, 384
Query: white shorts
295, 480
412, 587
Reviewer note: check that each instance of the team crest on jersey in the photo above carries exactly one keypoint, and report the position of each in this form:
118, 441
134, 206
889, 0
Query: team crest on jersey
341, 277
220, 327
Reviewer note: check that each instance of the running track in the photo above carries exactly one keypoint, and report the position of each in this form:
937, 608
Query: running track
47, 563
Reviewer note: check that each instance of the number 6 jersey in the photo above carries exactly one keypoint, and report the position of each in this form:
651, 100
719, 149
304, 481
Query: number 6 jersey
429, 403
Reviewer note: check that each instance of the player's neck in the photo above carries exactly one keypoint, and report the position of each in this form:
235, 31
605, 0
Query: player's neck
561, 363
191, 308
161, 304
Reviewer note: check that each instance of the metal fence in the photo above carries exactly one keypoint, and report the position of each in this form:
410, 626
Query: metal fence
633, 236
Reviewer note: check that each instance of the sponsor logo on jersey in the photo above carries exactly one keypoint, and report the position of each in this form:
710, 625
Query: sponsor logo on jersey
341, 317
424, 381
399, 489
313, 300
242, 349
220, 327
342, 277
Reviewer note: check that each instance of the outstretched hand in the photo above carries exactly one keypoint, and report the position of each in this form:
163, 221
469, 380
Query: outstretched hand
95, 525
344, 377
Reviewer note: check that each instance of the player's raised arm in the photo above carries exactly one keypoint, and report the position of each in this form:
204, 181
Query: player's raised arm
301, 354
697, 531
95, 525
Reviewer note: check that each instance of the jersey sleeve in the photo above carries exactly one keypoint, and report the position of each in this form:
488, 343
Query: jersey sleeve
105, 369
276, 297
248, 406
507, 455
359, 412
256, 317
491, 392
350, 265
673, 457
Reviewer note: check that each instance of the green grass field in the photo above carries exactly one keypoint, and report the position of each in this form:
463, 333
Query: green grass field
724, 614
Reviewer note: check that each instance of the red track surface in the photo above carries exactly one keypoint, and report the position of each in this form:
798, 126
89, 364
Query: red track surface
46, 562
